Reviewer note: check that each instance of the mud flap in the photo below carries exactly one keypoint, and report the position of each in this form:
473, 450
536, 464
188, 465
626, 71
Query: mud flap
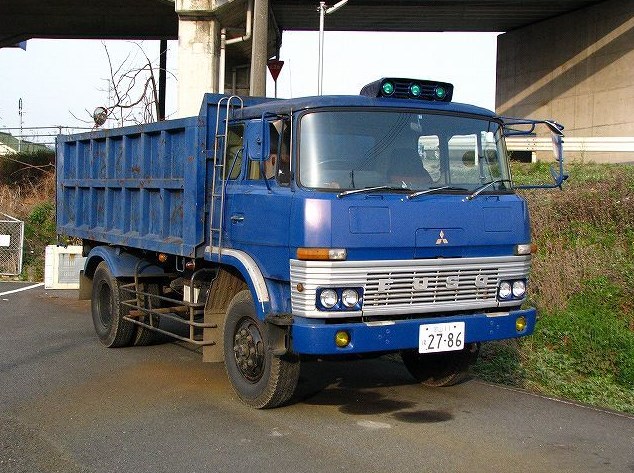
85, 287
214, 353
278, 333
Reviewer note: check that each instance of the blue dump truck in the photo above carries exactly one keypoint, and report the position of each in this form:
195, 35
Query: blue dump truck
271, 231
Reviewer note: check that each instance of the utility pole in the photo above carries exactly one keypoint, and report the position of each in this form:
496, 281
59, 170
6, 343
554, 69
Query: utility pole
259, 48
323, 11
20, 113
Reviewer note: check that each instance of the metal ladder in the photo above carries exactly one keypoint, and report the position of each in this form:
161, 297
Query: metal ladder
218, 178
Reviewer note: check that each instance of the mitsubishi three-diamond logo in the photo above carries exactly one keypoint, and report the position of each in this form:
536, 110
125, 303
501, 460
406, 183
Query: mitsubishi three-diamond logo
441, 239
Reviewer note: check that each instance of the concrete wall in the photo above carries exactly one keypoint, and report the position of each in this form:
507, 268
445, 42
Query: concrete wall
577, 68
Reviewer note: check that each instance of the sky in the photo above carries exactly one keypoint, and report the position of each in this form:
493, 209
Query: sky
61, 82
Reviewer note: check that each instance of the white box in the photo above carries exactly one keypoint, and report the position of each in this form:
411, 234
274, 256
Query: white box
62, 266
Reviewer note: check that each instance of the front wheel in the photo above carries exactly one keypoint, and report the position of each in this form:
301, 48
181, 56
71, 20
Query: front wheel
259, 378
440, 369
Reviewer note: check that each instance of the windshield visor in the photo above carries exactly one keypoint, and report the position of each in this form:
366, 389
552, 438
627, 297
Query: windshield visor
345, 150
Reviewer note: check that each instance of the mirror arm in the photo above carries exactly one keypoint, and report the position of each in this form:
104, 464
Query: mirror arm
262, 173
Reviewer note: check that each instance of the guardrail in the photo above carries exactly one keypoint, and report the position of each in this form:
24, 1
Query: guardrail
623, 144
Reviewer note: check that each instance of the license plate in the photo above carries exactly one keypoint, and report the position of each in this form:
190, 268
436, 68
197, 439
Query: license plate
435, 338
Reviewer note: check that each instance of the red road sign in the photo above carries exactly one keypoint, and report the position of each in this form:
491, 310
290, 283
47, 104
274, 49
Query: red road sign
275, 66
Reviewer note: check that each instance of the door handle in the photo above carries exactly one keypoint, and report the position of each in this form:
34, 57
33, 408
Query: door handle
237, 218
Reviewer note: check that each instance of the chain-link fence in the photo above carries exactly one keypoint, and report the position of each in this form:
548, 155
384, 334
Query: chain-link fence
11, 245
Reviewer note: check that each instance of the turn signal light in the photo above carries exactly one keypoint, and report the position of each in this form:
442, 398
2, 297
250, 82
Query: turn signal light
527, 249
322, 254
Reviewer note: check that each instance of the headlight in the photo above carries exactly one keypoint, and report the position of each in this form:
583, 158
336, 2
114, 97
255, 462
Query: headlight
505, 290
519, 289
350, 298
328, 298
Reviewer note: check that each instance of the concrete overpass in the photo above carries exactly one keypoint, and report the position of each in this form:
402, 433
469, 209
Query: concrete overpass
573, 59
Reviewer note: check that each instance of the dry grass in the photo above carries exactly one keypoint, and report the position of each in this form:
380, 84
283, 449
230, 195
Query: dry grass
19, 200
582, 283
583, 232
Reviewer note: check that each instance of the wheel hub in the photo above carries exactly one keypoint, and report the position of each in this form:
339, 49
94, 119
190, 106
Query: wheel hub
248, 348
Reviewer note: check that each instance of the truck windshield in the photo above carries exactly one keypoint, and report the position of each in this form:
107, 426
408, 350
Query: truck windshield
413, 151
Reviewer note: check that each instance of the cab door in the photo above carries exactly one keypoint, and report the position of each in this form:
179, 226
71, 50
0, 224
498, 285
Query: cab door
258, 205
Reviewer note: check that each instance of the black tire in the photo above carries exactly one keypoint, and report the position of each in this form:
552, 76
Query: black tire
259, 378
144, 336
107, 314
441, 369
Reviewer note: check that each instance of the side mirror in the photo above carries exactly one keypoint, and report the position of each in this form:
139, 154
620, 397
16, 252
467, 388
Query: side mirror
256, 140
524, 127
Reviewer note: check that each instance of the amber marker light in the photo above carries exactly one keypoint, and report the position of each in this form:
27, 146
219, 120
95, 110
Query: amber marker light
321, 254
520, 324
342, 339
162, 257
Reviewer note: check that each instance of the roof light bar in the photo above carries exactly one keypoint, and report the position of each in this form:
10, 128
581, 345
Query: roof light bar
400, 88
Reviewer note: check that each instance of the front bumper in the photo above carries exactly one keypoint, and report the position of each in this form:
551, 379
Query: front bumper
310, 337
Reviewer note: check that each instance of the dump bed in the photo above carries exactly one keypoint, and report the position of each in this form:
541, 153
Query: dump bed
141, 186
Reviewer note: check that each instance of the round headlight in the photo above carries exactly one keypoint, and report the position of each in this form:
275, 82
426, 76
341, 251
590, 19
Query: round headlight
519, 289
505, 290
350, 298
328, 298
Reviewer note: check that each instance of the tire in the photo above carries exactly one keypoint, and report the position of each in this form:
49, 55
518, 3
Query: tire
259, 378
144, 336
107, 313
440, 369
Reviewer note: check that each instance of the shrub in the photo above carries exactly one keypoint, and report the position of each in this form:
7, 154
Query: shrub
39, 231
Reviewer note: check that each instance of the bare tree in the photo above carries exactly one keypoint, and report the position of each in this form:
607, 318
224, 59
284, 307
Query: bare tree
133, 95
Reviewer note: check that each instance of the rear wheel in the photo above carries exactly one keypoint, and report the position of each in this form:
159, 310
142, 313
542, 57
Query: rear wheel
107, 312
259, 378
441, 369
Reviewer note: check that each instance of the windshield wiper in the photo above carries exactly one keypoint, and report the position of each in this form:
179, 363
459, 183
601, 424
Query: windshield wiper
368, 189
484, 187
433, 190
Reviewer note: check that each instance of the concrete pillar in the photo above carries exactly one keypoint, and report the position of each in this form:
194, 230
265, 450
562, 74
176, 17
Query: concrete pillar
259, 48
575, 68
198, 51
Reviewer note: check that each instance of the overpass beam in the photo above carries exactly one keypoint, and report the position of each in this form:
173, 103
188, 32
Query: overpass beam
198, 51
576, 68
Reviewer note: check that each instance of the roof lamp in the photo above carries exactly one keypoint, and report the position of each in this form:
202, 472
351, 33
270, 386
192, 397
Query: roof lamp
415, 90
387, 88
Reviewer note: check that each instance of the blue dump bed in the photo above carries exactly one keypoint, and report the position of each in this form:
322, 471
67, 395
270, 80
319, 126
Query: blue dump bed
140, 186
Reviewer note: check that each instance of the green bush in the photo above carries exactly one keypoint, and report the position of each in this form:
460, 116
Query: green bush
39, 231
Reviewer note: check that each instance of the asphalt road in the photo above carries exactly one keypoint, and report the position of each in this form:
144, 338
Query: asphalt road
68, 404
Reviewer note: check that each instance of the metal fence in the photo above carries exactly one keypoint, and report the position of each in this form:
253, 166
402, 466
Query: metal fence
11, 245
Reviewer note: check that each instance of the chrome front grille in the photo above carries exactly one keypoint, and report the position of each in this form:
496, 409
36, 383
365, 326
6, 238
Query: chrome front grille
406, 287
